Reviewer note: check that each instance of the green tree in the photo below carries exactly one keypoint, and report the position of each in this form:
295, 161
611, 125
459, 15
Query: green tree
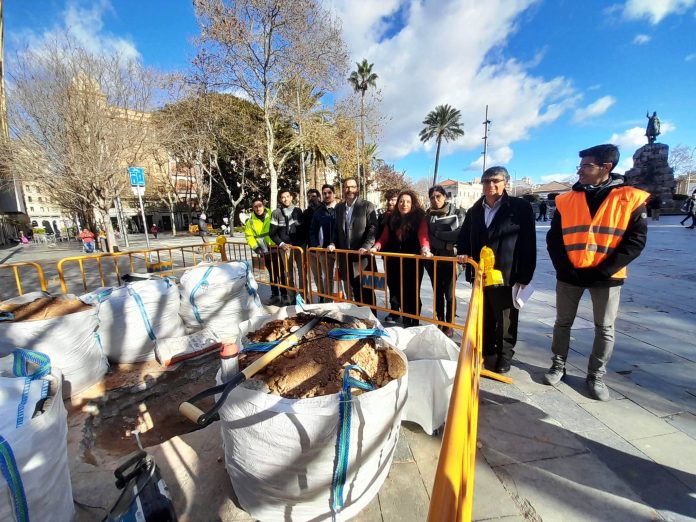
362, 79
442, 122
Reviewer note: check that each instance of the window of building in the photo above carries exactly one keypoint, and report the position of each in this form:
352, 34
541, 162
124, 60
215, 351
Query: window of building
31, 209
40, 199
41, 209
29, 199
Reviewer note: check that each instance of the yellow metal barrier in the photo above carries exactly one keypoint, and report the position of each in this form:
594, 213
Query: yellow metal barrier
375, 278
453, 491
282, 268
18, 280
166, 261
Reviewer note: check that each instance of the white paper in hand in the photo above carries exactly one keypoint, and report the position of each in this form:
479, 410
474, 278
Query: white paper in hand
521, 295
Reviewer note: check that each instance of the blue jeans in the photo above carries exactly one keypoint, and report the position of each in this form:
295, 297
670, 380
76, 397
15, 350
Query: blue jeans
89, 247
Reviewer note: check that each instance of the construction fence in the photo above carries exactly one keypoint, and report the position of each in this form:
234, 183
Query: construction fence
378, 280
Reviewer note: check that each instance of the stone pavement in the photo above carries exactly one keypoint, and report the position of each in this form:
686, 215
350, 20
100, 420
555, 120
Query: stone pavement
546, 453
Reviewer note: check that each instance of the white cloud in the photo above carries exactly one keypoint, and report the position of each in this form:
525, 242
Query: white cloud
594, 109
494, 156
655, 10
690, 57
634, 137
438, 57
641, 39
83, 22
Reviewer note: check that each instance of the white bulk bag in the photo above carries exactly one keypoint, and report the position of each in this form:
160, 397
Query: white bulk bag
220, 296
35, 451
132, 317
71, 341
281, 453
432, 365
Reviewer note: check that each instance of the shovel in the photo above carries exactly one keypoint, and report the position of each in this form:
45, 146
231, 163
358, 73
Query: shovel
195, 414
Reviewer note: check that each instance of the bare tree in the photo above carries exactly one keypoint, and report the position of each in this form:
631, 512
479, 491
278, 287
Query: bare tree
258, 46
388, 178
77, 121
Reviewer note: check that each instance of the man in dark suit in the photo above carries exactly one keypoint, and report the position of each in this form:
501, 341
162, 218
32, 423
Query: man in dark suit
356, 226
506, 225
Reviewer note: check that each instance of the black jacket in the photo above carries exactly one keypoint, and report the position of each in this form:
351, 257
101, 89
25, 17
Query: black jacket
511, 235
363, 227
287, 229
630, 247
324, 219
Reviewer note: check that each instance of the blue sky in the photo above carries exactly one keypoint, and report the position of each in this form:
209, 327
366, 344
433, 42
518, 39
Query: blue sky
558, 75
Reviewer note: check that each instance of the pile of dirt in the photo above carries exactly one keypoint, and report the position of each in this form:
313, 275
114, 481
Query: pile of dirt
315, 367
44, 308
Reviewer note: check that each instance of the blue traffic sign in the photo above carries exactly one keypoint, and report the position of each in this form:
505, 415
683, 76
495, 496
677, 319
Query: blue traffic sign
137, 176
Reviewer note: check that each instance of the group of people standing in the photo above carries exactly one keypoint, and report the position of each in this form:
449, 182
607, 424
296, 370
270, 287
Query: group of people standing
598, 228
350, 231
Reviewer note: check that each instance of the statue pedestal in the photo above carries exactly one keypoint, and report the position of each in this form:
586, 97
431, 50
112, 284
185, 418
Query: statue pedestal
651, 172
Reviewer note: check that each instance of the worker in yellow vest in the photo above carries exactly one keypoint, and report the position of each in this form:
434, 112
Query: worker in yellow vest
599, 227
256, 233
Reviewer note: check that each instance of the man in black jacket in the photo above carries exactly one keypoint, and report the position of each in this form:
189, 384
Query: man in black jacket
356, 226
321, 232
506, 225
286, 231
598, 228
313, 203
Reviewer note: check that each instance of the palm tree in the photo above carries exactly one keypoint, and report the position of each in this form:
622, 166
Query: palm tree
362, 79
442, 122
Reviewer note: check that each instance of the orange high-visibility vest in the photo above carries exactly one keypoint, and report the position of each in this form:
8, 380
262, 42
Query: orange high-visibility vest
589, 240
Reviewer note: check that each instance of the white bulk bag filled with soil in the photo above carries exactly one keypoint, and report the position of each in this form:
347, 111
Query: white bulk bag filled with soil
220, 296
33, 445
62, 327
281, 454
132, 317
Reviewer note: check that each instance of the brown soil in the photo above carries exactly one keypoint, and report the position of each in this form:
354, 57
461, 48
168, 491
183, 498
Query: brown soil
315, 367
44, 308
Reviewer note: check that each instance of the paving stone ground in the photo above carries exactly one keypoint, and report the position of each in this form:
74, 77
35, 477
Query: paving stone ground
546, 453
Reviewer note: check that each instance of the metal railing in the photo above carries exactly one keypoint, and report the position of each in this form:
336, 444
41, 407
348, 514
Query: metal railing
14, 267
383, 272
165, 261
453, 491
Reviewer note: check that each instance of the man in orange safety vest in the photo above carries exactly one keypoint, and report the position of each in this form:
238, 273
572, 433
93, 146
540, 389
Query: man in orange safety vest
599, 227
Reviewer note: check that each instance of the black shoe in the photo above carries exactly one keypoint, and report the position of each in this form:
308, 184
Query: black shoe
598, 390
392, 318
502, 366
556, 372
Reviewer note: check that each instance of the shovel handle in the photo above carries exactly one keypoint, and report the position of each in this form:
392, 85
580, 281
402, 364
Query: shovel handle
191, 412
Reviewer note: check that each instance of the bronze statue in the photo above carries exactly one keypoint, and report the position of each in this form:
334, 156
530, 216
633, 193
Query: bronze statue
652, 131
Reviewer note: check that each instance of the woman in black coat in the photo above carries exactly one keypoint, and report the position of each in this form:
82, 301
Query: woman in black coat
444, 222
406, 233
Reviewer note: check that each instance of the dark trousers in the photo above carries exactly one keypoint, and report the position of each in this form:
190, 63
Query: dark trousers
393, 283
500, 319
274, 273
410, 277
689, 215
359, 293
445, 305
